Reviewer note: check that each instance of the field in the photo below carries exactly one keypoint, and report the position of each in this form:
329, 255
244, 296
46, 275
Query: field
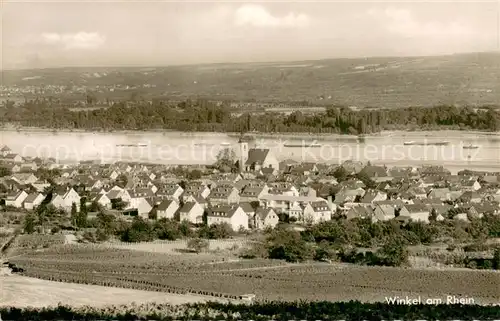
20, 291
395, 81
268, 280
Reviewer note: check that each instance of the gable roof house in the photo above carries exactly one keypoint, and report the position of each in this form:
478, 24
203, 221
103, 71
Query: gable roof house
16, 199
318, 211
167, 209
230, 214
24, 178
29, 166
12, 158
442, 194
191, 212
470, 185
12, 167
33, 200
5, 150
360, 212
70, 197
102, 200
283, 189
388, 211
196, 188
224, 194
260, 158
417, 212
253, 194
376, 173
170, 191
373, 196
264, 218
470, 197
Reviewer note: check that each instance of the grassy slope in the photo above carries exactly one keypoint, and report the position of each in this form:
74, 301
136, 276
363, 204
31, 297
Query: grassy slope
460, 79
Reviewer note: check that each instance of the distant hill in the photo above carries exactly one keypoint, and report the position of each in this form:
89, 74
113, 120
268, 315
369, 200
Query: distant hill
465, 79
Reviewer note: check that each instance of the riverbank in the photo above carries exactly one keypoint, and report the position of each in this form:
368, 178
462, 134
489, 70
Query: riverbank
264, 135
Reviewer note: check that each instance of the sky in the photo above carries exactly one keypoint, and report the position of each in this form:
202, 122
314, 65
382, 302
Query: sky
41, 34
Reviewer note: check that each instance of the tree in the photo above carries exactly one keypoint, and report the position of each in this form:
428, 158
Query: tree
167, 229
4, 171
197, 245
340, 174
118, 204
394, 252
220, 231
74, 214
226, 160
139, 231
496, 259
81, 217
288, 246
122, 180
29, 224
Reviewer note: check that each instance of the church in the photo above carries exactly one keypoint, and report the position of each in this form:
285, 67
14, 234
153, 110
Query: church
255, 159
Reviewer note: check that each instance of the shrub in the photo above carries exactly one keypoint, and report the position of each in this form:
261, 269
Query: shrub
197, 245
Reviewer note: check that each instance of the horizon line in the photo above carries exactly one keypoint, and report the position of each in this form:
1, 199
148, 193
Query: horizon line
254, 62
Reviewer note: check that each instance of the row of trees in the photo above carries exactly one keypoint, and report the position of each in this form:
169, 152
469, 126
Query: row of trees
206, 116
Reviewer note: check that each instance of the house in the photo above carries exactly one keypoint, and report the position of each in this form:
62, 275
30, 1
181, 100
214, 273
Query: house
283, 189
442, 194
260, 158
317, 211
30, 167
307, 191
230, 214
196, 188
70, 197
248, 209
470, 185
198, 199
417, 212
264, 218
13, 168
253, 194
170, 191
224, 194
384, 212
16, 199
360, 211
103, 200
192, 212
33, 200
372, 196
376, 173
12, 158
294, 210
470, 197
167, 209
352, 167
58, 202
5, 150
142, 205
24, 178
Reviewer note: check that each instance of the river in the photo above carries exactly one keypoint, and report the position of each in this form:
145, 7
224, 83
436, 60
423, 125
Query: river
201, 148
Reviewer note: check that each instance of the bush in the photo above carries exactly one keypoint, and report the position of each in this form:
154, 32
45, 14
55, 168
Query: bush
394, 252
288, 246
197, 245
325, 252
139, 231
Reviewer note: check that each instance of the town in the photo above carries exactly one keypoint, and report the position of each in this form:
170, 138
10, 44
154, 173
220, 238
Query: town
260, 193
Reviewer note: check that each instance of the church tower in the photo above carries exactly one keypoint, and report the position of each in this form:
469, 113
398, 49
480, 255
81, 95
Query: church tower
243, 153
